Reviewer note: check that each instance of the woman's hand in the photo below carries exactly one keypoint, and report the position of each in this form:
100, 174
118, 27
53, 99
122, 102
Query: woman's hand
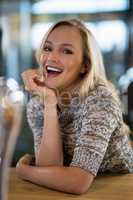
22, 164
27, 159
28, 77
32, 84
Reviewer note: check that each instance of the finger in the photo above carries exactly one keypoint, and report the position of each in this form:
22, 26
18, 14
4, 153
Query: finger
26, 81
26, 159
30, 84
38, 82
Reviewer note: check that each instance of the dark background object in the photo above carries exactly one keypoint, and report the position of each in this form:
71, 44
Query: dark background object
130, 104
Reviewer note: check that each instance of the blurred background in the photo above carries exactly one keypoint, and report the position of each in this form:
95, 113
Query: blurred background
24, 22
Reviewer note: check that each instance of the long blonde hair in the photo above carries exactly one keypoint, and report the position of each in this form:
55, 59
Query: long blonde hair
92, 57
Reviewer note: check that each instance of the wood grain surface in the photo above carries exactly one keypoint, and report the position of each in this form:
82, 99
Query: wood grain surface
104, 187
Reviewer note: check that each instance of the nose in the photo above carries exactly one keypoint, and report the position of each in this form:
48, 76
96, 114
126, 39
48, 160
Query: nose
53, 56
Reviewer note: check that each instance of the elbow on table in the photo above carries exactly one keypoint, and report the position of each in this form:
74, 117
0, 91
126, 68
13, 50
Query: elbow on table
82, 183
81, 189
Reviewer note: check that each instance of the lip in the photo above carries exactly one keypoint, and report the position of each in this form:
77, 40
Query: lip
48, 75
53, 66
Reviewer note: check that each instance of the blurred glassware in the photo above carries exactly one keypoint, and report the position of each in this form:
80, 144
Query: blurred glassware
11, 109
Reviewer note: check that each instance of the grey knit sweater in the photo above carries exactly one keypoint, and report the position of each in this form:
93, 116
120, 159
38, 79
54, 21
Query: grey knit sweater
93, 134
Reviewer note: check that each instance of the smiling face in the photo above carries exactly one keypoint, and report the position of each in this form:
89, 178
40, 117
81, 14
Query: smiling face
62, 57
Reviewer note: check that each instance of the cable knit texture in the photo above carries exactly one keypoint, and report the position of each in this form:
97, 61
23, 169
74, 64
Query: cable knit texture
93, 133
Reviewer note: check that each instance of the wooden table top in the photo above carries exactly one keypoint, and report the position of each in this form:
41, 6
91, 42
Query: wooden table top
104, 187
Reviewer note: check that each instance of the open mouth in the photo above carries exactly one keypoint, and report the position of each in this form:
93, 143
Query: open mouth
53, 71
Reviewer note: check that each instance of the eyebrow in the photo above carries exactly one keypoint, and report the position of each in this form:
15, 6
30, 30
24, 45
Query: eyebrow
63, 44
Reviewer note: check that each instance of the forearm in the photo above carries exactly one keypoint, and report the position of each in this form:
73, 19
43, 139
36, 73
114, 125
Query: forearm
66, 179
50, 151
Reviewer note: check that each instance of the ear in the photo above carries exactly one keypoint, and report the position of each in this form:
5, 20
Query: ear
84, 69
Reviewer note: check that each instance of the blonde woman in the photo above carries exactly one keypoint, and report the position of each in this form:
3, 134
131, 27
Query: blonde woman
74, 114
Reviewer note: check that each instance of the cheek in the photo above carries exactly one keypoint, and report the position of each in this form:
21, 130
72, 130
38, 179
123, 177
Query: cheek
43, 58
74, 65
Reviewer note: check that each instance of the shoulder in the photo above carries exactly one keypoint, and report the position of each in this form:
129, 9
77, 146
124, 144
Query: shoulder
102, 93
101, 100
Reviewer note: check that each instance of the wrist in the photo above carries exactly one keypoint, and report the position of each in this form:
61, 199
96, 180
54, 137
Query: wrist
51, 108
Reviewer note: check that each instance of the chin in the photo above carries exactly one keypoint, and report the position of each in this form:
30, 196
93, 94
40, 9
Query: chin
53, 84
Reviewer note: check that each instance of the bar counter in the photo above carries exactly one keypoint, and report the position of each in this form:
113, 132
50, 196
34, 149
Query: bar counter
104, 187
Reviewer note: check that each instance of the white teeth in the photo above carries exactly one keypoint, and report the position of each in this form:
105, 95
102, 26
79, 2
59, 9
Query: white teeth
54, 69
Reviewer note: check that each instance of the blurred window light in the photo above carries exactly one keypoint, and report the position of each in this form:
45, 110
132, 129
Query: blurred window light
107, 37
38, 31
111, 35
12, 84
17, 97
77, 6
126, 79
130, 73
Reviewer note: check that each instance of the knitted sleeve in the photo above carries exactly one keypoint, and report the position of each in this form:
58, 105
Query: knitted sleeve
99, 119
35, 110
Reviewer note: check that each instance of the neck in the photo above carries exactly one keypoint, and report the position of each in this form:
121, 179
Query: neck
65, 95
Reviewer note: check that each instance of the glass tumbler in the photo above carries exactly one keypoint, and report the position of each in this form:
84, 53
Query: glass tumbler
11, 109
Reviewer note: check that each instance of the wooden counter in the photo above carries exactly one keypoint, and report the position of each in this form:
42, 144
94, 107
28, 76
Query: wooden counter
105, 187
